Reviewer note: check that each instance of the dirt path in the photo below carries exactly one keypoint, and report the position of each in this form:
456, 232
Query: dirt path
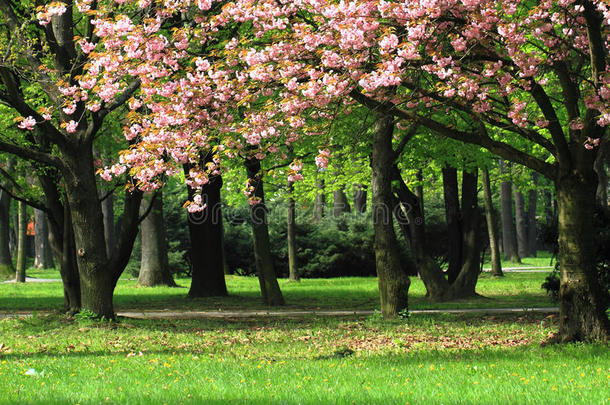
290, 314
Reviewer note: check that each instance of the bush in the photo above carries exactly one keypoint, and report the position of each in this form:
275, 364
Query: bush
332, 247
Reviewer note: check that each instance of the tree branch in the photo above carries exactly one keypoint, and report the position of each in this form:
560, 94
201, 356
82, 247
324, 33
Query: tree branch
499, 148
31, 154
119, 100
31, 203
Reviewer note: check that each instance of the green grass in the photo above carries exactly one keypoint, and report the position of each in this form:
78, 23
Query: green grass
521, 290
542, 259
445, 359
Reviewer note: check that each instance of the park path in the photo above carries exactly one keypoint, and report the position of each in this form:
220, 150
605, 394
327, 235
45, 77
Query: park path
166, 314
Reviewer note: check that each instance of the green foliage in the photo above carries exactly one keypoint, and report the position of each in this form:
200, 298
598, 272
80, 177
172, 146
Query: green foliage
333, 247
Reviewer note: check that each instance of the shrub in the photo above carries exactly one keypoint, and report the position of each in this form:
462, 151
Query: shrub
332, 247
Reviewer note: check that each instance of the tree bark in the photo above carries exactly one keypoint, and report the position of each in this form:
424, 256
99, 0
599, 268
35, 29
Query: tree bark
393, 281
340, 203
270, 289
320, 201
207, 247
601, 163
109, 228
6, 263
532, 234
68, 266
429, 270
520, 222
22, 222
492, 230
61, 240
43, 258
98, 273
582, 309
154, 264
452, 215
359, 198
466, 281
419, 191
293, 271
509, 241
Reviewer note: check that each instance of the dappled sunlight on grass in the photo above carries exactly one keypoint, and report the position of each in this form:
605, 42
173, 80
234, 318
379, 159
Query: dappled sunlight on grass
425, 359
521, 290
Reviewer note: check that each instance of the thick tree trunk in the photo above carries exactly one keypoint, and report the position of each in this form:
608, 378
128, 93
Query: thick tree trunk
154, 265
429, 270
601, 164
320, 201
582, 308
98, 273
61, 240
359, 198
340, 203
43, 258
22, 228
270, 289
452, 215
509, 241
109, 228
520, 222
68, 266
492, 230
293, 270
207, 248
465, 284
532, 202
393, 281
6, 263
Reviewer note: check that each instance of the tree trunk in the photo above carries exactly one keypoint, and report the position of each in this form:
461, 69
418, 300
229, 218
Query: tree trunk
270, 289
359, 198
532, 235
340, 203
21, 241
43, 258
466, 281
419, 191
6, 263
492, 230
154, 264
520, 222
293, 271
582, 309
68, 266
601, 164
393, 281
109, 229
98, 273
429, 270
509, 241
452, 215
61, 240
320, 201
207, 248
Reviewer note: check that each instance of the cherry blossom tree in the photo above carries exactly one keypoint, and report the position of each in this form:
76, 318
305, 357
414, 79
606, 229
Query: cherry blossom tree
527, 81
45, 51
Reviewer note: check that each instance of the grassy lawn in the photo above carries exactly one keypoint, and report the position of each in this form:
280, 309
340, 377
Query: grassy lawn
521, 290
542, 259
441, 359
